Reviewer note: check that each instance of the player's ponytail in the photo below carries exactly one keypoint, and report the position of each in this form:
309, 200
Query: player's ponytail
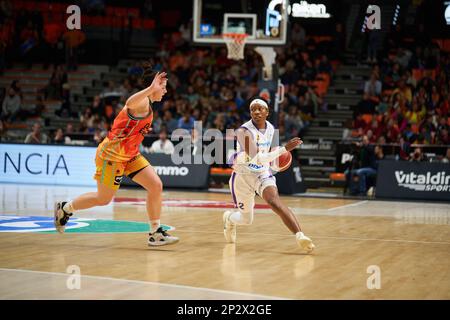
148, 74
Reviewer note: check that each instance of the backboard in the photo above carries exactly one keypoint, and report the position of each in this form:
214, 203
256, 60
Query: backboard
265, 21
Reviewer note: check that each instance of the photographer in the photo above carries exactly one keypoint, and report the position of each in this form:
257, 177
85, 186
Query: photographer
417, 155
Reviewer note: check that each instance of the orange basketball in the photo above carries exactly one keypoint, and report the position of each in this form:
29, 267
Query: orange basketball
281, 163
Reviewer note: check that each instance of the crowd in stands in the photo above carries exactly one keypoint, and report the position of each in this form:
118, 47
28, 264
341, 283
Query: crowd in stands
204, 85
406, 102
407, 96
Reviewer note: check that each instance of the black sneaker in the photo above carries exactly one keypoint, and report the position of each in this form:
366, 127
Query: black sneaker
161, 238
61, 217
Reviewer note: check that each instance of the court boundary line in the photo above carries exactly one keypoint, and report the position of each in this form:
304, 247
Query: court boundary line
348, 205
325, 237
179, 286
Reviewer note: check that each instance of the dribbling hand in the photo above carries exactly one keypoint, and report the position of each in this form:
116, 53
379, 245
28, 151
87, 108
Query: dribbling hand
293, 143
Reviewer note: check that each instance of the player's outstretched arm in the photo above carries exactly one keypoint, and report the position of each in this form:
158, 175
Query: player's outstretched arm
155, 91
245, 139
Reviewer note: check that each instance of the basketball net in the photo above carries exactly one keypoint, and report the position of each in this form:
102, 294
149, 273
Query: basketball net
235, 44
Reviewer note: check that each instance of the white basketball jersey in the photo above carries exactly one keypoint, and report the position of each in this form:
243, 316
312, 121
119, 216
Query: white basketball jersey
263, 140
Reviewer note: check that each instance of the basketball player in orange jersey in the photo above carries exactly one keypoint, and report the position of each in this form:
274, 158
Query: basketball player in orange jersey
251, 175
118, 155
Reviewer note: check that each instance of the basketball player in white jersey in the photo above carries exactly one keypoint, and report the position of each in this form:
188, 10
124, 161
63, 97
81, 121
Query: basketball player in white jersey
251, 174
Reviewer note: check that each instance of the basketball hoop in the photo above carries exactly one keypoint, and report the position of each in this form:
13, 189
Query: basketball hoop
235, 44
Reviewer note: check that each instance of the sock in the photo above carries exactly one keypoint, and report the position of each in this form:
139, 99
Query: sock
237, 218
154, 225
68, 207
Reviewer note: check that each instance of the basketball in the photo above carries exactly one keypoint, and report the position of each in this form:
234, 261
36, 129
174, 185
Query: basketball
282, 163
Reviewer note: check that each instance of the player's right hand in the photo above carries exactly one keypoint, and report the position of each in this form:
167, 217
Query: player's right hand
293, 143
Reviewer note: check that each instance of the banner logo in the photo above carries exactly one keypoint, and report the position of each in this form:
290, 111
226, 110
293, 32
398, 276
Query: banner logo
439, 182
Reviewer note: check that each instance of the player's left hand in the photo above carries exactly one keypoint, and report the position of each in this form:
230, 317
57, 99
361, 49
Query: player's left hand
293, 143
159, 85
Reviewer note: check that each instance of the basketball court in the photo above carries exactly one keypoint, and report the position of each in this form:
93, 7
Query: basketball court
365, 249
407, 241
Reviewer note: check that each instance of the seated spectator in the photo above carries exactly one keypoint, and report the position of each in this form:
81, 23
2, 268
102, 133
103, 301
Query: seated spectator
111, 90
186, 121
417, 155
169, 121
98, 106
325, 65
3, 131
39, 107
162, 145
446, 158
392, 132
415, 115
11, 107
373, 87
366, 166
293, 123
366, 105
444, 137
404, 90
59, 137
36, 136
196, 143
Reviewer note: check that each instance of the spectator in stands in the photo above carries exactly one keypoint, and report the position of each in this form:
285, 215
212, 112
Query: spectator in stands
11, 106
298, 35
39, 106
373, 87
446, 158
186, 121
125, 88
3, 131
196, 143
293, 123
162, 145
97, 106
36, 136
366, 105
404, 90
59, 137
417, 155
110, 90
157, 123
15, 84
69, 128
367, 164
55, 87
29, 38
325, 65
66, 109
443, 138
339, 41
73, 41
169, 121
403, 57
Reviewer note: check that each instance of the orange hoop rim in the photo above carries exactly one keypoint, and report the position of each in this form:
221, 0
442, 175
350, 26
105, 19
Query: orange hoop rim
235, 36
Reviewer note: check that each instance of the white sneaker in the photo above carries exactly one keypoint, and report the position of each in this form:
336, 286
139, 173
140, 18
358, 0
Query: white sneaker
161, 238
61, 217
304, 242
229, 228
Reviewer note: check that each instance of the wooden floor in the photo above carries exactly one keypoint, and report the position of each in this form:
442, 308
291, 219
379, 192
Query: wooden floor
409, 242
